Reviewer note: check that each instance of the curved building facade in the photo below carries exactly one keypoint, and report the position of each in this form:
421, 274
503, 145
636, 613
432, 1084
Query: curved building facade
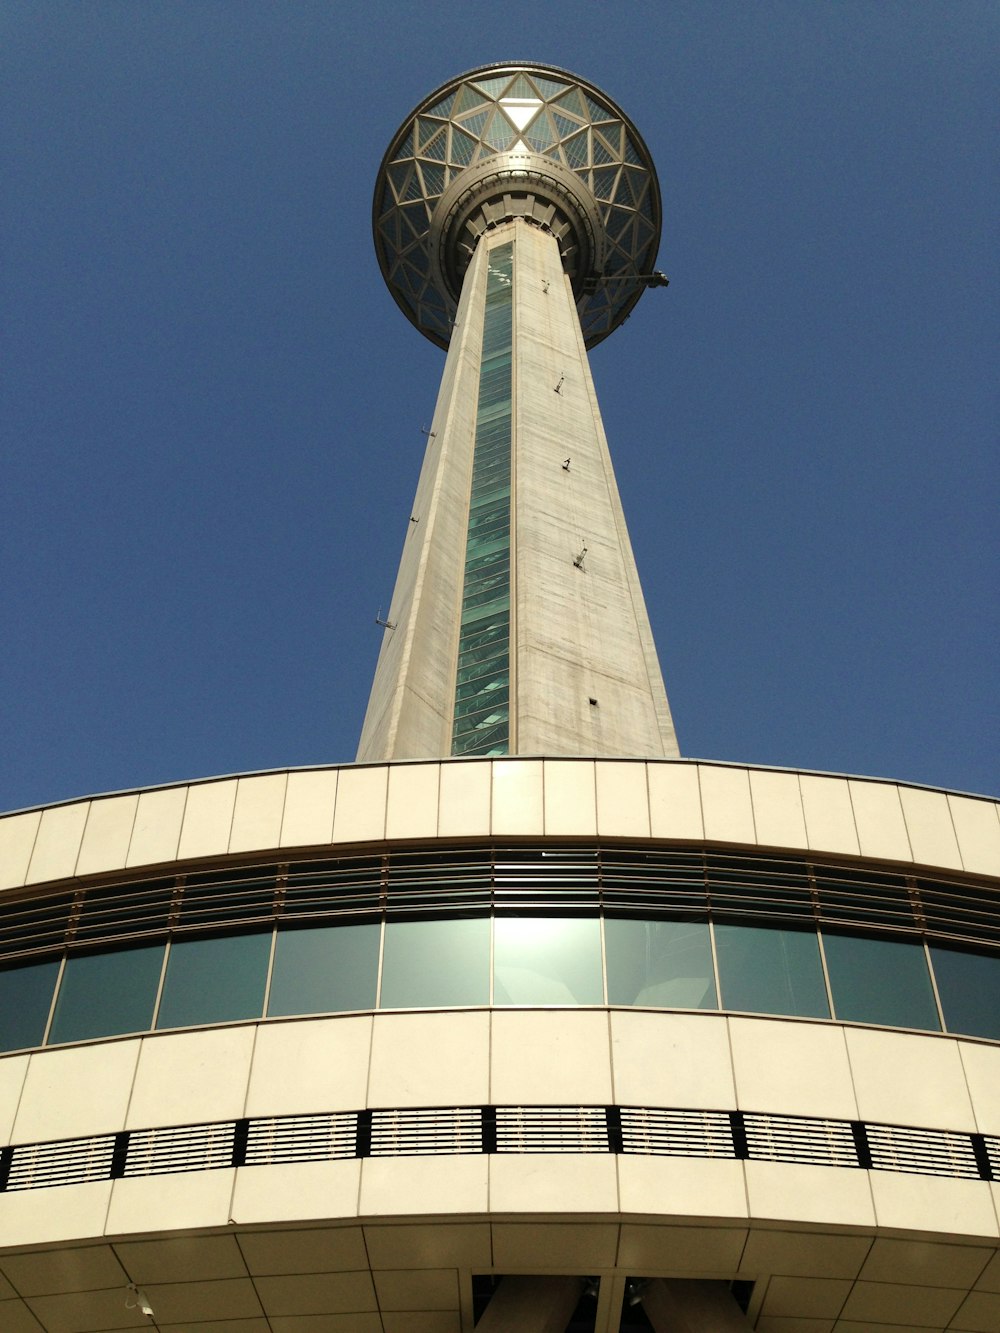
521, 1023
338, 1048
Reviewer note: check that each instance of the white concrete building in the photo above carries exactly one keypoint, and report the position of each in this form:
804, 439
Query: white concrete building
521, 1022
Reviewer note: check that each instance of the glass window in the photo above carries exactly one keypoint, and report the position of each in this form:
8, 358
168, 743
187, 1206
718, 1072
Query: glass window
323, 969
667, 964
880, 981
25, 1000
102, 994
216, 980
426, 964
770, 971
547, 960
969, 987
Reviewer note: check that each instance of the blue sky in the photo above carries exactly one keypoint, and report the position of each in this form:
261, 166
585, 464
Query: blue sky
210, 407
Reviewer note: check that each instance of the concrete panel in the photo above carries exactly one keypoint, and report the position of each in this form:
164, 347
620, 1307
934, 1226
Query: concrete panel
182, 1258
298, 1192
550, 1057
981, 1063
57, 843
681, 1186
777, 809
792, 1068
925, 1263
800, 1298
933, 1203
208, 819
424, 1186
878, 817
412, 810
622, 800
107, 834
725, 803
307, 819
28, 1217
545, 1246
156, 832
893, 1303
320, 1250
257, 813
517, 797
17, 839
804, 1254
783, 1192
13, 1070
674, 801
562, 1183
978, 830
100, 1078
430, 1059
681, 1251
826, 803
317, 1293
316, 1065
436, 1245
360, 812
71, 1269
423, 1289
929, 828
170, 1203
691, 1066
464, 808
906, 1079
570, 798
189, 1077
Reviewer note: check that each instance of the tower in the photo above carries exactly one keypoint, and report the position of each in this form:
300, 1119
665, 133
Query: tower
520, 1024
516, 221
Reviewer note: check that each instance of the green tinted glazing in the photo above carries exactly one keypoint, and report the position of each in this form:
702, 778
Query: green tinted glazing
215, 980
482, 709
767, 971
969, 987
102, 994
324, 970
665, 964
880, 981
427, 964
25, 1000
547, 960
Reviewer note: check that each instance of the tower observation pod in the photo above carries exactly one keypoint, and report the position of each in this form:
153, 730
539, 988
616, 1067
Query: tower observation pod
516, 221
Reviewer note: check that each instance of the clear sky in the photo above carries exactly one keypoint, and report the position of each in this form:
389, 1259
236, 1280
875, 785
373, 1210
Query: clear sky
210, 407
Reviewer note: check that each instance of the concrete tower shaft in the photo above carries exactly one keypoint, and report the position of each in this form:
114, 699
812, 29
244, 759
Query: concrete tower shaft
517, 623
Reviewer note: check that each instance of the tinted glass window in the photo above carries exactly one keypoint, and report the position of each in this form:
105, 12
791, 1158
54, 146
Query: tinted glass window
431, 963
666, 964
214, 980
25, 1000
880, 981
969, 987
767, 971
102, 994
547, 960
323, 969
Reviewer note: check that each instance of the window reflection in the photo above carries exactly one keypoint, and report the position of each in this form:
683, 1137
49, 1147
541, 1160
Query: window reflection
430, 963
880, 981
547, 960
216, 980
969, 987
665, 964
324, 970
25, 1001
103, 994
769, 971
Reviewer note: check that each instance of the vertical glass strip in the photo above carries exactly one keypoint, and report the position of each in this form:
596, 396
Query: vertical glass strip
482, 686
